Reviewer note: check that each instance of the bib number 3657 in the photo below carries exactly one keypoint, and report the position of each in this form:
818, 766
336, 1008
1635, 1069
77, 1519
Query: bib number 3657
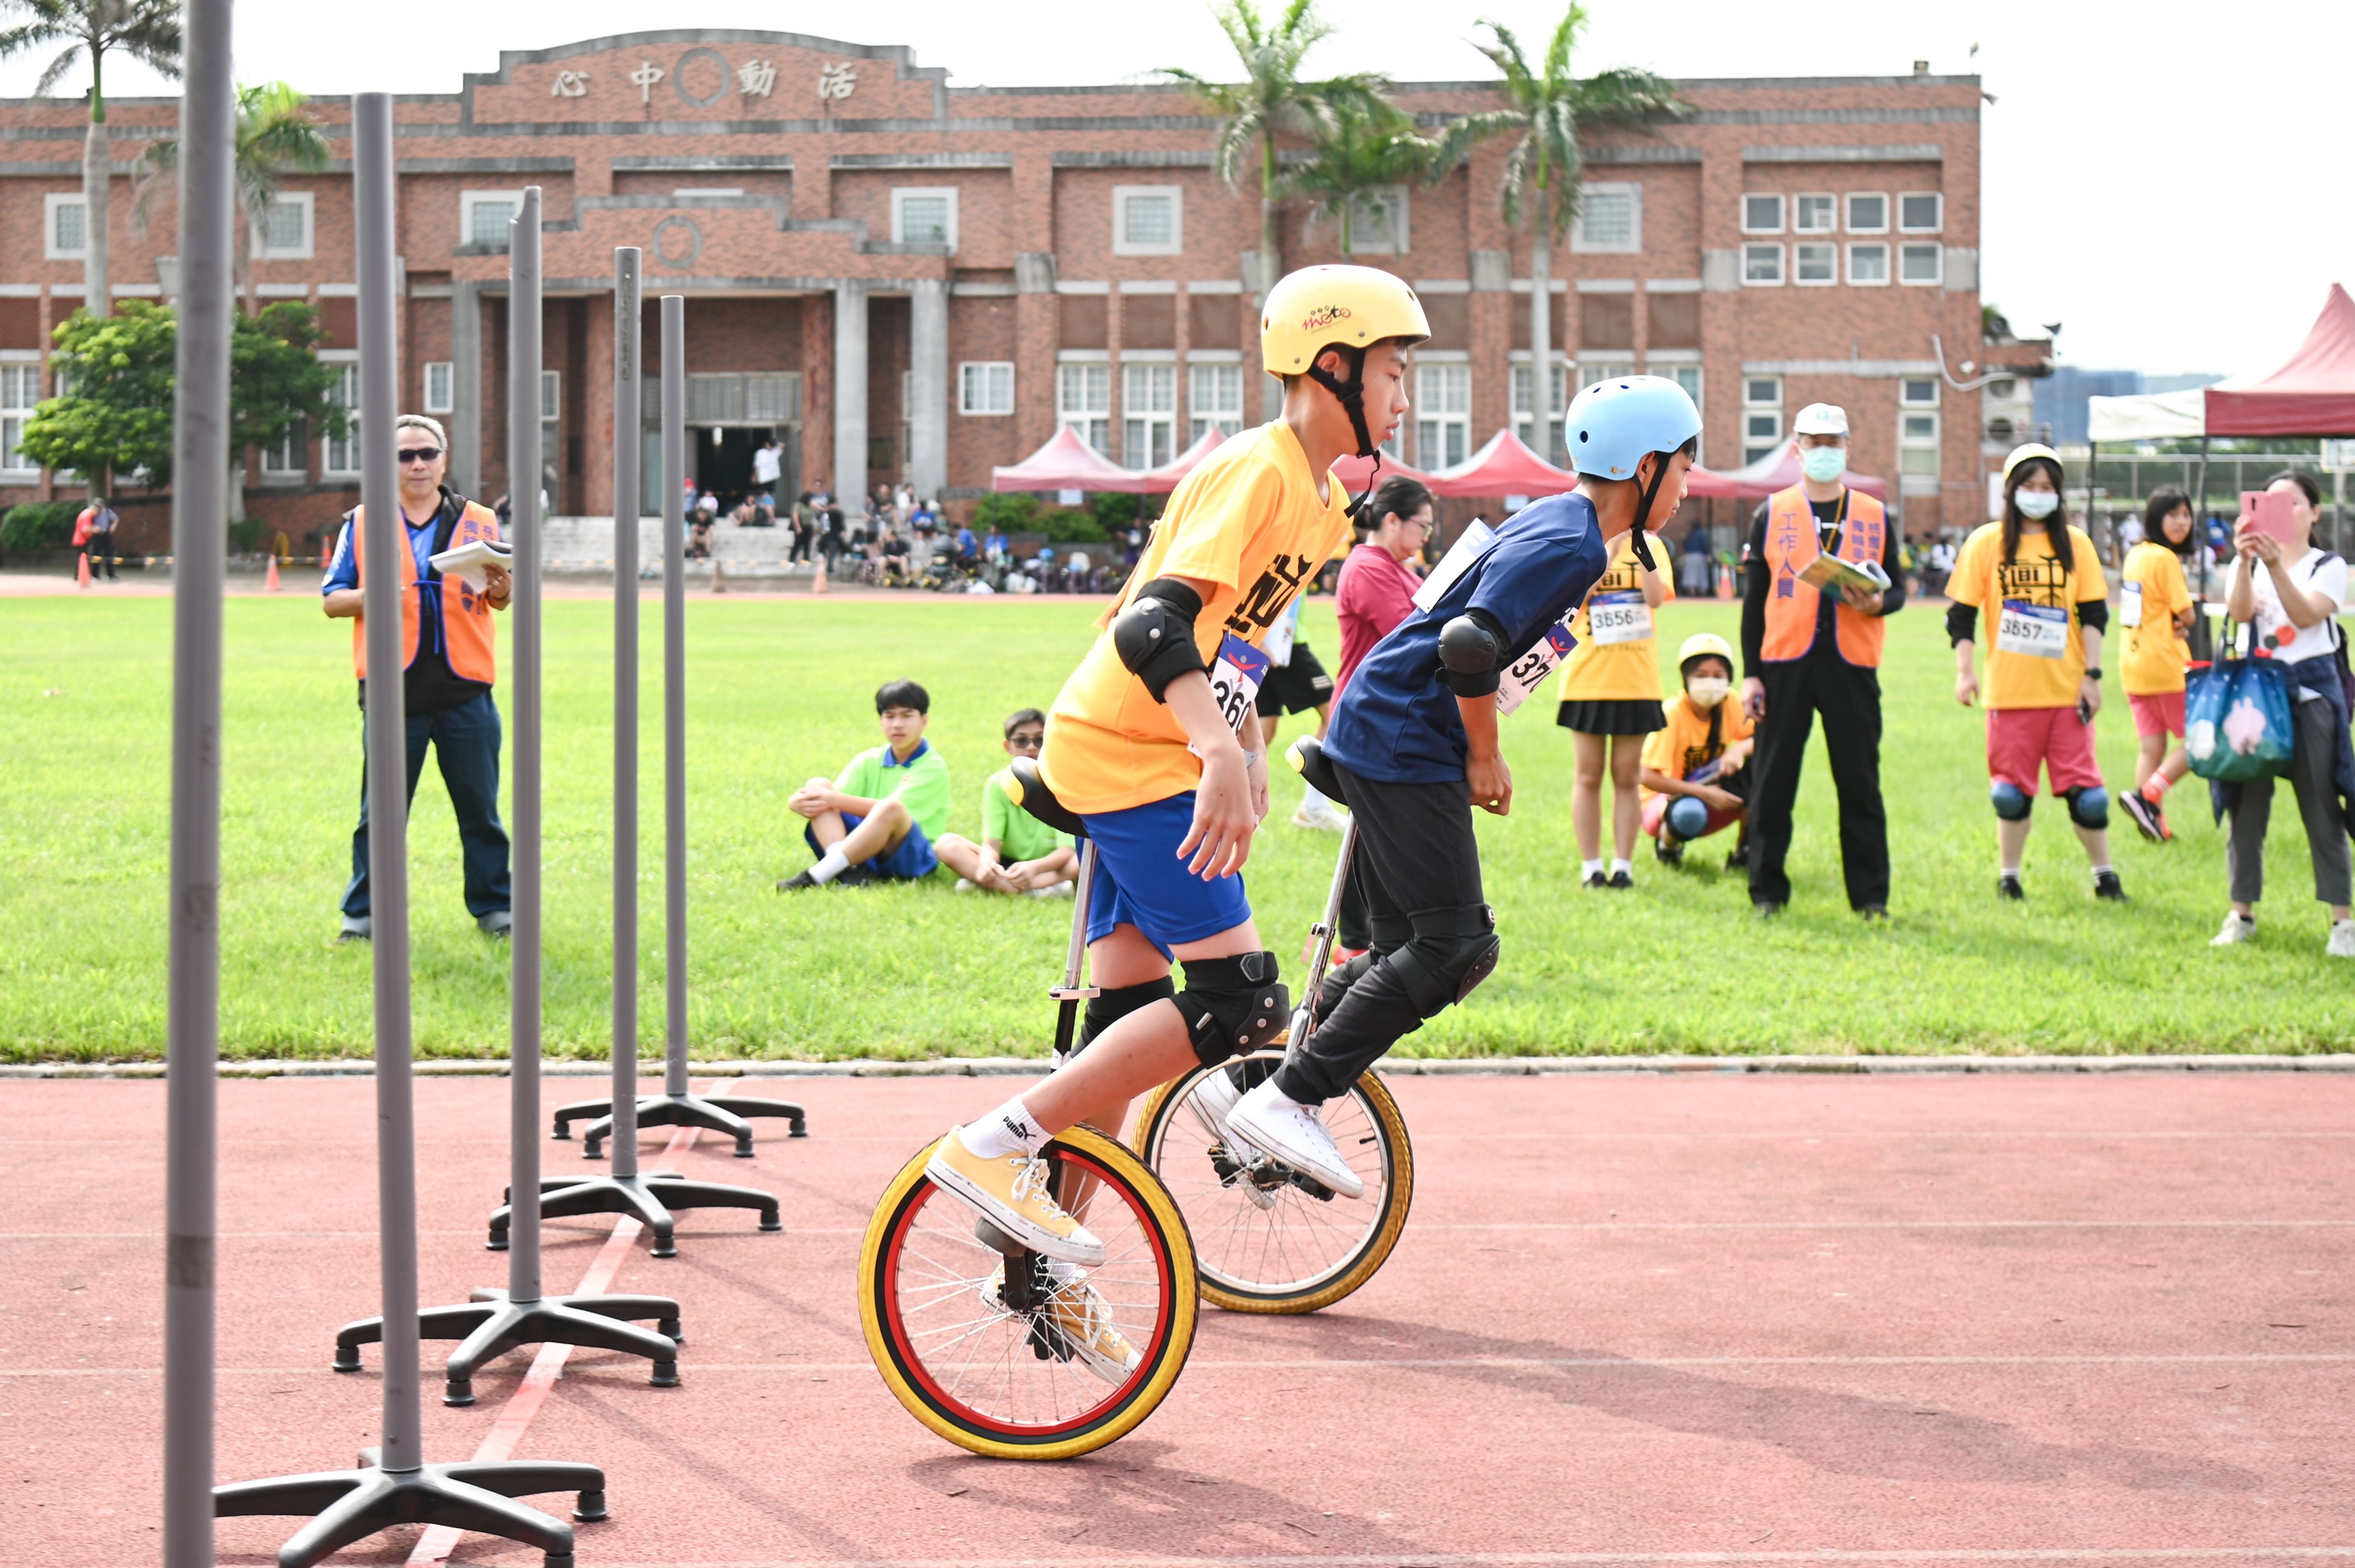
2035, 631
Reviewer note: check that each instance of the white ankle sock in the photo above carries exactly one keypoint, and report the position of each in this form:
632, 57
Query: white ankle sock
1311, 798
830, 866
2100, 869
1618, 865
1587, 868
1009, 1129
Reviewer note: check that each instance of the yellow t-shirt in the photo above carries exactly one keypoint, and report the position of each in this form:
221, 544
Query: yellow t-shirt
1684, 745
1249, 520
1601, 670
2156, 652
2043, 599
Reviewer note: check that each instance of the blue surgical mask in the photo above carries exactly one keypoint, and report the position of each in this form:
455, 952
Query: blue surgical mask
1824, 464
2037, 504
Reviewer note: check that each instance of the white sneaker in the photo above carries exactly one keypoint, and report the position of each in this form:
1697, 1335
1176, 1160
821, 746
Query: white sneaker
1292, 1135
1056, 890
2240, 928
2342, 939
1319, 814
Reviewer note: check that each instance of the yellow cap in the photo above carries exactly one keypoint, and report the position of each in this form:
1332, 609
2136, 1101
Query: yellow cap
2023, 454
1318, 307
1701, 642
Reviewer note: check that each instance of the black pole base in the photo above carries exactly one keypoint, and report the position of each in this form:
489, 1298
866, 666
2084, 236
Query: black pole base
650, 1198
491, 1325
351, 1505
715, 1113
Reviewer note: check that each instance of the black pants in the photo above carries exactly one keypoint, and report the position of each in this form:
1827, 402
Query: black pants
1849, 699
102, 554
1415, 852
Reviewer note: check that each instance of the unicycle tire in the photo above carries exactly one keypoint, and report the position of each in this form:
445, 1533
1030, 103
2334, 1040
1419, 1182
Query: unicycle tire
1000, 1381
1264, 1239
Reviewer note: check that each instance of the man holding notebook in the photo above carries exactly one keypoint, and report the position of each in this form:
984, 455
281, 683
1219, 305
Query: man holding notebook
1820, 573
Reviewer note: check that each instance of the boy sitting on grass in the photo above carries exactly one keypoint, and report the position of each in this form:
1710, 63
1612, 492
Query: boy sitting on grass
878, 818
1018, 852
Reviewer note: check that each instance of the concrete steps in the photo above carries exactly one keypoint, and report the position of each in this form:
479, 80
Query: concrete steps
583, 545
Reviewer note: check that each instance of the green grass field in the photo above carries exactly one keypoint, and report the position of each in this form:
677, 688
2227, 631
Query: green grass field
779, 690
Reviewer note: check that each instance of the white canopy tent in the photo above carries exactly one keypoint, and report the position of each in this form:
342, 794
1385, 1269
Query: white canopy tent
2150, 417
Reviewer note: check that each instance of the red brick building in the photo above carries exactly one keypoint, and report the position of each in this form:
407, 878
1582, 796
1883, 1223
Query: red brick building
904, 279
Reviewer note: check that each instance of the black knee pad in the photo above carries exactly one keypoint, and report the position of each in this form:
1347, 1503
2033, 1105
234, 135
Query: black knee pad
1453, 952
1389, 932
2089, 806
1338, 981
1233, 1005
1110, 1005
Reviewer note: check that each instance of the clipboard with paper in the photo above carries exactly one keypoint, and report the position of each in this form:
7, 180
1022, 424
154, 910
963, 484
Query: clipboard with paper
466, 562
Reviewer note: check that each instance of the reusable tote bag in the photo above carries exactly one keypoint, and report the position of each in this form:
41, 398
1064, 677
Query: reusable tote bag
2237, 724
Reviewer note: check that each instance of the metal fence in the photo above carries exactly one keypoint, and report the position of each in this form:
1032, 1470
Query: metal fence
2122, 481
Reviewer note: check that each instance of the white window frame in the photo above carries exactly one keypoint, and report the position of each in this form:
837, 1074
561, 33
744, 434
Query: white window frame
50, 246
1548, 444
1918, 442
1847, 206
551, 394
22, 379
1828, 257
902, 195
1121, 243
1148, 413
1756, 440
1937, 225
1830, 224
469, 200
1937, 255
1214, 397
1749, 225
346, 445
1389, 206
288, 463
986, 388
1688, 376
1083, 401
265, 251
1634, 244
440, 390
1854, 249
1917, 392
1752, 254
1442, 415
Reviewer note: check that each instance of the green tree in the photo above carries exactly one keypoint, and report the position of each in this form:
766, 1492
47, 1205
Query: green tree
275, 136
1366, 145
1549, 110
146, 31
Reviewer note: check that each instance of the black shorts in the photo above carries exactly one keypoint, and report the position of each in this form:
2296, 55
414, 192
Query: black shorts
1296, 687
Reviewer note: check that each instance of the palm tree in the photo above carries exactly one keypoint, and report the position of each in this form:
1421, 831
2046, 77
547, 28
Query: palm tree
1272, 100
1550, 109
1368, 145
146, 31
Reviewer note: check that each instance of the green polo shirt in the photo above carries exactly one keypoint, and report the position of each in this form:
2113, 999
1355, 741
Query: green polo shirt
920, 783
1020, 836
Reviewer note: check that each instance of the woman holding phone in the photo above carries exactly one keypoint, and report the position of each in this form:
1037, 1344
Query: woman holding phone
2290, 595
2156, 607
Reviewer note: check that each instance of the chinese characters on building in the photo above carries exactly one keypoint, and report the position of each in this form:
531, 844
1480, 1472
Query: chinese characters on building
569, 84
758, 79
836, 82
644, 80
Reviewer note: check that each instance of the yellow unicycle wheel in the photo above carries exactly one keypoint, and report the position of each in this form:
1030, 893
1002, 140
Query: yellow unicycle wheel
1012, 1355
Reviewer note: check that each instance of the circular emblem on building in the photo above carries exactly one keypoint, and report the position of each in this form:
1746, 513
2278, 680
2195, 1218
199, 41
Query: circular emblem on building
676, 244
697, 66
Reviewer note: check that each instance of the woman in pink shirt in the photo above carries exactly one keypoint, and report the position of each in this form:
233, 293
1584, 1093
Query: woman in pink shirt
1377, 588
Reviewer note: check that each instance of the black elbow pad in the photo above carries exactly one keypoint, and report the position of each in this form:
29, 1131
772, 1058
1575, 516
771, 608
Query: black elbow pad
1471, 653
1962, 623
1154, 635
2094, 614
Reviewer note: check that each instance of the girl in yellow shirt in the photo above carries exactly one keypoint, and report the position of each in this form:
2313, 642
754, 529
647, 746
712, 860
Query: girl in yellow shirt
1610, 702
2156, 607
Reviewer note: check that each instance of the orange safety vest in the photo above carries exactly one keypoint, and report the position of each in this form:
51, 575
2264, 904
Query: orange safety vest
465, 615
1791, 602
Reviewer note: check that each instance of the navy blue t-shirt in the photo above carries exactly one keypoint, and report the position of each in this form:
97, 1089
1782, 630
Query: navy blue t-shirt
1395, 723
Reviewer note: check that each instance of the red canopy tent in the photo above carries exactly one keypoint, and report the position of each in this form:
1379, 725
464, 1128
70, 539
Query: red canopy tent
1504, 466
1354, 469
1778, 471
2312, 395
1170, 474
1067, 462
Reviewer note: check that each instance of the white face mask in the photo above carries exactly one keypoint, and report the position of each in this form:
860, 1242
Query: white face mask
2037, 504
1708, 690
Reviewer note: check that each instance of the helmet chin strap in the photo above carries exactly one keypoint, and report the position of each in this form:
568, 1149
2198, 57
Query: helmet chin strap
1644, 511
1351, 395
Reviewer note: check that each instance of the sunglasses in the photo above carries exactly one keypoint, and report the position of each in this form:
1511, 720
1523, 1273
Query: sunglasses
1026, 742
418, 454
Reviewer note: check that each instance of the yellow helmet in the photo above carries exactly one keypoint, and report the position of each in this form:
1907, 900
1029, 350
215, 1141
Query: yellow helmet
1317, 308
1701, 642
2021, 454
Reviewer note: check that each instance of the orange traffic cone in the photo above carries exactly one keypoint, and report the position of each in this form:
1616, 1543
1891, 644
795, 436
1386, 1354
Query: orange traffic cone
817, 580
270, 578
326, 553
1725, 582
719, 577
81, 571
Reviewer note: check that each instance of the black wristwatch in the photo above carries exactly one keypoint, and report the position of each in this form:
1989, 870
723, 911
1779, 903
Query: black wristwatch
2092, 671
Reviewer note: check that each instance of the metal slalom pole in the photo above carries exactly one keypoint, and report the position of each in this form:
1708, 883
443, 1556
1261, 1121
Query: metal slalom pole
394, 1484
200, 562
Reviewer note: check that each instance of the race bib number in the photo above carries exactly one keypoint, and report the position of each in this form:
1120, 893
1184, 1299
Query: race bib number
1235, 678
1619, 617
2034, 630
1527, 673
2130, 605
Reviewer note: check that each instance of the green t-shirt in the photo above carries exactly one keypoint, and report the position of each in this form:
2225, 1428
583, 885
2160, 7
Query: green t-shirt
1020, 836
920, 784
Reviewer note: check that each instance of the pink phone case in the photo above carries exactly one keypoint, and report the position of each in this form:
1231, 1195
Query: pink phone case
2270, 512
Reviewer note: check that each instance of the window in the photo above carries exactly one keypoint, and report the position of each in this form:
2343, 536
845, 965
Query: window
1867, 266
1148, 220
289, 461
1761, 266
483, 217
773, 397
986, 387
1761, 416
344, 450
1918, 392
1083, 401
441, 387
1921, 212
924, 215
1148, 407
65, 226
20, 393
282, 233
1547, 443
1917, 446
1610, 220
1442, 414
1814, 265
1378, 222
1214, 397
1762, 214
552, 394
1867, 214
1814, 214
1923, 266
1592, 371
1689, 377
712, 399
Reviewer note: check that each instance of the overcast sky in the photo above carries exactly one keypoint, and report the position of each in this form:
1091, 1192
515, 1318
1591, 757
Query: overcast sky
2118, 128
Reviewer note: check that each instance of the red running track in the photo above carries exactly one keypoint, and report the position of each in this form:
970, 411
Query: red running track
1642, 1319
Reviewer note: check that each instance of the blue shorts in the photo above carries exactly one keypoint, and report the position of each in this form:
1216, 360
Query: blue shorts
912, 859
1140, 882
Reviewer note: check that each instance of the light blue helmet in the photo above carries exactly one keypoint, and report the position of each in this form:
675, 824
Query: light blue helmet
1613, 425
